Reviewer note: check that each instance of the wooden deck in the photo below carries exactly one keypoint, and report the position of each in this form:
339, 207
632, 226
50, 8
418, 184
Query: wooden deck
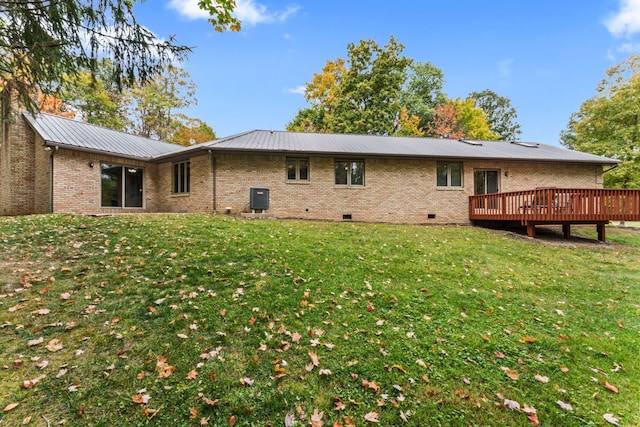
565, 206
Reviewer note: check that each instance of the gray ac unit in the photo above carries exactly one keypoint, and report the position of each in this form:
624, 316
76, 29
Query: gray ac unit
259, 198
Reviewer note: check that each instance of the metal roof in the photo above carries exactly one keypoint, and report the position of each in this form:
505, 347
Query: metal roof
63, 132
56, 130
393, 146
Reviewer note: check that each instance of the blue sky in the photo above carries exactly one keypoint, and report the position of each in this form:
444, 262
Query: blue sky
547, 56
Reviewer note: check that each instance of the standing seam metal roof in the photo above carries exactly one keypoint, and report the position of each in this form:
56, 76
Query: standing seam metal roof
393, 146
56, 130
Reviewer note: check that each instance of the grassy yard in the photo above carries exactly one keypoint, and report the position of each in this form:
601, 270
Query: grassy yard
174, 320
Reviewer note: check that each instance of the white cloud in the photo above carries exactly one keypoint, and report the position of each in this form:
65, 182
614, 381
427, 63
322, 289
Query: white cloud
297, 90
629, 48
504, 67
626, 21
188, 8
248, 12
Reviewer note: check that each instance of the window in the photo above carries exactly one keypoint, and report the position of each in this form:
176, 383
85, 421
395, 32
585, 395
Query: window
449, 175
122, 186
298, 169
182, 177
349, 172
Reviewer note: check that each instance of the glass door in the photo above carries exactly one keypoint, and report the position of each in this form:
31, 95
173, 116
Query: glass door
487, 182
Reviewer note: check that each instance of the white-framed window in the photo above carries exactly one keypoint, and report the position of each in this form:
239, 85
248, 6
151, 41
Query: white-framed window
297, 169
349, 172
182, 177
121, 186
449, 175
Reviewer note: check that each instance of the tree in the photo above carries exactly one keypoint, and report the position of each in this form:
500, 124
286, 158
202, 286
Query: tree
607, 124
501, 115
308, 120
408, 125
321, 90
445, 122
191, 131
53, 105
42, 41
460, 119
423, 91
472, 121
367, 98
154, 105
94, 99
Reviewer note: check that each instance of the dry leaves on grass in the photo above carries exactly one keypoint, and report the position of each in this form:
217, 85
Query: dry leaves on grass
163, 368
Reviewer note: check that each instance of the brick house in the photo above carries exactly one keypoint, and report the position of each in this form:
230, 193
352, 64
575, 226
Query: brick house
52, 164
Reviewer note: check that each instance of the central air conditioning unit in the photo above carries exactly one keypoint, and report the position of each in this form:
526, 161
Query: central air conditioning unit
259, 199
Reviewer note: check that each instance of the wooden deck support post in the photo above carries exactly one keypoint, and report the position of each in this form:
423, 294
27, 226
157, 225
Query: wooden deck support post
566, 230
601, 232
531, 230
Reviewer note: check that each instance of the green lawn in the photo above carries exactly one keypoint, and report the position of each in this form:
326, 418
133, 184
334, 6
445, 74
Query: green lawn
202, 320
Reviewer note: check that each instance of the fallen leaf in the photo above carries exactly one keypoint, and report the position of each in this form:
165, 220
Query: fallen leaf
191, 375
564, 405
316, 418
26, 420
372, 417
289, 419
15, 308
421, 363
512, 373
611, 419
208, 401
528, 340
499, 354
608, 386
315, 359
512, 404
193, 413
541, 378
372, 385
232, 419
534, 419
11, 406
141, 399
54, 345
204, 421
36, 341
163, 368
33, 382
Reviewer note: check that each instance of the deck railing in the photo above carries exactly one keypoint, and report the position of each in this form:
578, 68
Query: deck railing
558, 205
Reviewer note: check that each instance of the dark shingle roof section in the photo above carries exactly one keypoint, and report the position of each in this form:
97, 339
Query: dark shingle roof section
390, 146
56, 130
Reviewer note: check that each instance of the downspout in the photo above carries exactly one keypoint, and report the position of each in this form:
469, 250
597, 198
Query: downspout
53, 152
214, 169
